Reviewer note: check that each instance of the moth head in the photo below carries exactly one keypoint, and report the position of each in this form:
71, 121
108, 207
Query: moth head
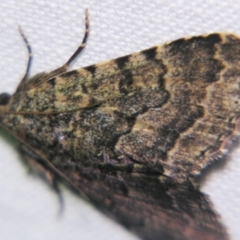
4, 99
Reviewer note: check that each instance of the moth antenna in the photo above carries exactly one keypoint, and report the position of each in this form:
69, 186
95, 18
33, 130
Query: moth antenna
64, 67
25, 77
83, 43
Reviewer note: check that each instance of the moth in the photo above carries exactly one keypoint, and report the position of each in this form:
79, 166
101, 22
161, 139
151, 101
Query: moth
132, 135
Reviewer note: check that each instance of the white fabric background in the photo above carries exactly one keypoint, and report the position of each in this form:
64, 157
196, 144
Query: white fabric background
28, 209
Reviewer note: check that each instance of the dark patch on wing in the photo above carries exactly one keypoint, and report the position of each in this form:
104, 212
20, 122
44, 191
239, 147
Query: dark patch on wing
150, 53
84, 89
52, 81
71, 74
121, 62
125, 82
91, 69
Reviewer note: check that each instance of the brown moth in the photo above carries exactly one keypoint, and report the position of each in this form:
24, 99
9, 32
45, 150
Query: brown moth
133, 135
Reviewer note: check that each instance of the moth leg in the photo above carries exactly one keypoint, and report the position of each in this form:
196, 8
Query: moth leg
37, 168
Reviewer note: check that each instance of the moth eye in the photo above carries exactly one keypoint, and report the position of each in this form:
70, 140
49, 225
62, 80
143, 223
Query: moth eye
4, 98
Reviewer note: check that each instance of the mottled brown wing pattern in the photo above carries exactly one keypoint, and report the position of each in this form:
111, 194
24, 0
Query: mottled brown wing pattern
160, 103
131, 134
